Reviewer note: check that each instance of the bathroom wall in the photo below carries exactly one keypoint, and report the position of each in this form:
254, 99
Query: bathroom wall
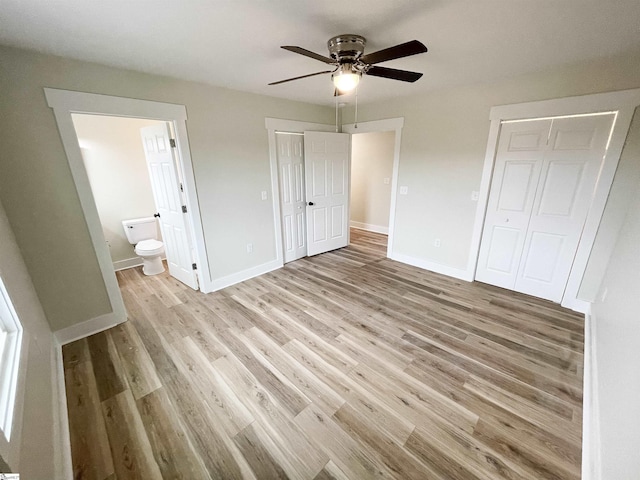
371, 164
116, 166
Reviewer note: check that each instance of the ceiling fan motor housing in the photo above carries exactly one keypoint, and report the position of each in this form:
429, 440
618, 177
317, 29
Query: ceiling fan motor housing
346, 48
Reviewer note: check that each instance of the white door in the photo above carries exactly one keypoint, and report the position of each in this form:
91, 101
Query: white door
166, 191
290, 151
515, 177
326, 164
545, 175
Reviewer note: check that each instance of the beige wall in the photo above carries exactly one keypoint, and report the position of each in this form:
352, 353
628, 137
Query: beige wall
230, 154
615, 264
371, 163
617, 338
444, 140
31, 450
117, 170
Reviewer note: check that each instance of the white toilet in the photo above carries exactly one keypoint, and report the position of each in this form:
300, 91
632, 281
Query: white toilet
143, 233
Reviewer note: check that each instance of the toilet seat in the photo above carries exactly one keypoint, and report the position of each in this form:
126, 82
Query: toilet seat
149, 247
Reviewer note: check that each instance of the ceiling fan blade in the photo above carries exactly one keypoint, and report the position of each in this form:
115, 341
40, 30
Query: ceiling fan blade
298, 78
403, 50
308, 53
394, 74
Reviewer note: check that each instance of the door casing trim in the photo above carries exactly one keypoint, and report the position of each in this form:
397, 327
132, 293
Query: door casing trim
274, 125
66, 102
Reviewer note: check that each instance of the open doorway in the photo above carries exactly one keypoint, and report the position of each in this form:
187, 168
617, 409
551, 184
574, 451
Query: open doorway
371, 174
394, 126
65, 103
134, 175
116, 166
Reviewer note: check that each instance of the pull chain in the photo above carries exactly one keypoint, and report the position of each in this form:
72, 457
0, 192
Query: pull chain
356, 122
336, 99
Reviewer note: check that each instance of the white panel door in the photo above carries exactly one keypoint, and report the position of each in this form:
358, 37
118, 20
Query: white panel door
517, 169
543, 183
567, 181
290, 151
326, 163
166, 191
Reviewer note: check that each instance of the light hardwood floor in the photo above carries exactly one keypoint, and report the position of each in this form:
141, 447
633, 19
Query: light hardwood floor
346, 365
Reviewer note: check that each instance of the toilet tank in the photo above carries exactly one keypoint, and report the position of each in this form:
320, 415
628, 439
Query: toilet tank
138, 229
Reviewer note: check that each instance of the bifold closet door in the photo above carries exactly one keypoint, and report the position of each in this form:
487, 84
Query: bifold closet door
544, 178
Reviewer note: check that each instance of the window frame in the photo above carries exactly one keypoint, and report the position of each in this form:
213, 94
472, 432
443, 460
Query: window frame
10, 349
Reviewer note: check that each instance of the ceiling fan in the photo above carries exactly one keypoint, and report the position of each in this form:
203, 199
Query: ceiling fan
349, 62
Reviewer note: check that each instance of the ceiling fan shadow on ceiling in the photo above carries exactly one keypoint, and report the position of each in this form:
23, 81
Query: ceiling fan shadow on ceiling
349, 62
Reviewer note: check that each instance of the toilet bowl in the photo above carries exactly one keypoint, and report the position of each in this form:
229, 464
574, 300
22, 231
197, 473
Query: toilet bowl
142, 233
150, 251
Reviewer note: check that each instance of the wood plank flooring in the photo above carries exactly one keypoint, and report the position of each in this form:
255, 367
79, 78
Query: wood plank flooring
346, 365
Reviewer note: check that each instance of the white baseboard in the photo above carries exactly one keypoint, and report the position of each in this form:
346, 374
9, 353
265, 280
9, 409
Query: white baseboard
369, 227
591, 469
63, 462
433, 266
87, 328
220, 283
128, 263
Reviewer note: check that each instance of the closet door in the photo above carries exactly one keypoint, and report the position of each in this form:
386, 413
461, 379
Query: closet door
544, 179
292, 204
568, 178
518, 161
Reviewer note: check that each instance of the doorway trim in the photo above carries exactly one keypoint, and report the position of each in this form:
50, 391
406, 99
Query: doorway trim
623, 103
385, 125
66, 102
274, 125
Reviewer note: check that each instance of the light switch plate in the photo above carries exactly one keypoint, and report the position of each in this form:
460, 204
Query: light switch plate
386, 180
264, 195
474, 196
404, 190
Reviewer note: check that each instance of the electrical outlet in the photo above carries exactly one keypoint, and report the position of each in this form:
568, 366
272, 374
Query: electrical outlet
474, 196
386, 180
249, 247
436, 243
264, 195
404, 190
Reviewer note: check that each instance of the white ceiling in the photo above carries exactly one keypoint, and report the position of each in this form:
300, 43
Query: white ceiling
235, 43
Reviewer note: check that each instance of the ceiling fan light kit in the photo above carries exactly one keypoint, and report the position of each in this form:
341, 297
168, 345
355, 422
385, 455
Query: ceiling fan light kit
350, 63
345, 78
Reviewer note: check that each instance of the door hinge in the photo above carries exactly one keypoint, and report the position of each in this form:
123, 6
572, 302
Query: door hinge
172, 142
181, 188
194, 266
184, 209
